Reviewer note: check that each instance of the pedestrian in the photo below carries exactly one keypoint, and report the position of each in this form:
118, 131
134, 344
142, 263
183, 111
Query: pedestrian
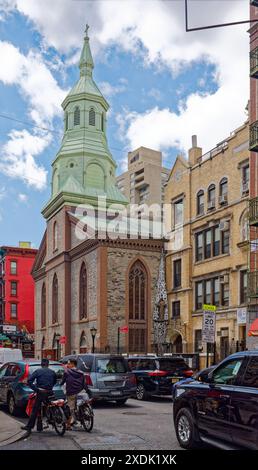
45, 379
74, 381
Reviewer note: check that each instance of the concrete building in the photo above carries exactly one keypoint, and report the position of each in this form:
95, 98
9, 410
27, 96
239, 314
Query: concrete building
88, 282
143, 182
206, 263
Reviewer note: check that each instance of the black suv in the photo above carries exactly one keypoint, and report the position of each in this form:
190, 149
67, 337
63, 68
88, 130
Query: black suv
223, 411
156, 375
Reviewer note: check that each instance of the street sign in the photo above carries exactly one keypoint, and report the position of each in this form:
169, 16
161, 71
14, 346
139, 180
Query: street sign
62, 340
241, 316
124, 329
209, 323
9, 328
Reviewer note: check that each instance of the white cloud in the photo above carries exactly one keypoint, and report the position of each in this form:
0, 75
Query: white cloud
109, 90
155, 93
23, 197
155, 31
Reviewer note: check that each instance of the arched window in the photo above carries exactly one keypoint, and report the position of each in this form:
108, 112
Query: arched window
55, 236
137, 308
43, 306
92, 117
77, 116
83, 292
200, 202
55, 299
211, 196
223, 190
83, 344
243, 222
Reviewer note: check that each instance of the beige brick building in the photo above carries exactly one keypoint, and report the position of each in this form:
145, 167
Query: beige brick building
143, 182
206, 216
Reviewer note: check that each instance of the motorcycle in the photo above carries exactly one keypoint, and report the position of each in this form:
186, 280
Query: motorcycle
83, 412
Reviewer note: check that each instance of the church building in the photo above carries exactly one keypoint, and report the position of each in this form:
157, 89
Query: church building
86, 286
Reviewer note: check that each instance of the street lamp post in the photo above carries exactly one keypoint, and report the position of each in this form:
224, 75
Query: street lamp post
93, 332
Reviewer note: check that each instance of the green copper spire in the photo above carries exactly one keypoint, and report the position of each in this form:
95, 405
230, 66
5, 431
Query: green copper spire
84, 168
86, 63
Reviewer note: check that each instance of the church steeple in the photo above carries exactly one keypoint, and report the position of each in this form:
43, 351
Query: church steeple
86, 63
84, 167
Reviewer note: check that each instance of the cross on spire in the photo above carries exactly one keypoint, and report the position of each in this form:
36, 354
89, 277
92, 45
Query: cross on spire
86, 30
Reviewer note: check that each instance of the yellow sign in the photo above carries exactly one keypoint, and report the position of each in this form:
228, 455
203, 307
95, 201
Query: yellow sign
25, 244
209, 308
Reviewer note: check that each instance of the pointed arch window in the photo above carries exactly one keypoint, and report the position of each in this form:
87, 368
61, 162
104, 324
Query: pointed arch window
83, 293
137, 308
43, 306
92, 116
77, 116
55, 299
55, 236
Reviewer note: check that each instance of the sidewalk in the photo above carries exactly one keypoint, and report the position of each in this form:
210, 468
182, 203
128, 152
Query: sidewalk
10, 430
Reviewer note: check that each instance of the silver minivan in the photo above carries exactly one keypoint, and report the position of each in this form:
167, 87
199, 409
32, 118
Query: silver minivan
107, 376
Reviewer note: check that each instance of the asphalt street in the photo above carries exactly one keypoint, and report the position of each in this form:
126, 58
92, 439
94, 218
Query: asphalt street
145, 425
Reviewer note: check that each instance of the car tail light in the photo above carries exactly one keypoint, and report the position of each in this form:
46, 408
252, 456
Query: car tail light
158, 373
88, 379
24, 378
188, 373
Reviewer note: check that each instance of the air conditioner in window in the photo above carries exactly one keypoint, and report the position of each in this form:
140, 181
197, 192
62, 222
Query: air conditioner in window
224, 279
245, 188
211, 204
223, 199
224, 225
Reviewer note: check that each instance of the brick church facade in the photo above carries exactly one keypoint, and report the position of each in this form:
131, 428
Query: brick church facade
98, 282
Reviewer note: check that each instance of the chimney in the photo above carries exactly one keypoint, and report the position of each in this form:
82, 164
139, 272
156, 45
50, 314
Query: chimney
195, 152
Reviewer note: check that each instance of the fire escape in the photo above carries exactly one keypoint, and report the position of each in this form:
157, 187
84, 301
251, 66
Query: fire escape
2, 290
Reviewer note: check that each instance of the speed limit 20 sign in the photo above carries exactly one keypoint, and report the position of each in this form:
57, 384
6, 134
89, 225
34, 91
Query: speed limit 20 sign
209, 323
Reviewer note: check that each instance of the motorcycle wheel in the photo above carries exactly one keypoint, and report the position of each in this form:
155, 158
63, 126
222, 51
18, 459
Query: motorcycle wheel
86, 418
59, 420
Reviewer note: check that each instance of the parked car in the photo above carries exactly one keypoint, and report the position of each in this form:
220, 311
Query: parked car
223, 411
9, 354
14, 390
107, 376
155, 375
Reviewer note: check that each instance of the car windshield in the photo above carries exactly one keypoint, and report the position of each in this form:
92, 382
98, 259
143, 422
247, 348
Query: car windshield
57, 368
173, 364
111, 366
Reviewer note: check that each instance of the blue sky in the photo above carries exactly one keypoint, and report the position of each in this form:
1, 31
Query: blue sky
162, 86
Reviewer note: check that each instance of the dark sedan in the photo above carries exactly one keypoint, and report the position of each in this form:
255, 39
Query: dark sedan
14, 391
223, 411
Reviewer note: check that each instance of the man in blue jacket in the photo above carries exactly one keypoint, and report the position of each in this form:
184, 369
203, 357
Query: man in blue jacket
74, 380
45, 379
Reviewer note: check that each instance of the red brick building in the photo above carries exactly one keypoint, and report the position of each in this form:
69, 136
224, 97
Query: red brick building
17, 286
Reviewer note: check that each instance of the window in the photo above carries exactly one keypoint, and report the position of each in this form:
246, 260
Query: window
216, 241
14, 310
102, 122
55, 236
225, 241
13, 288
92, 117
177, 273
208, 298
243, 287
198, 340
245, 178
199, 295
200, 203
251, 375
225, 295
223, 190
176, 309
178, 212
66, 121
199, 246
227, 373
43, 306
211, 196
83, 292
216, 291
207, 244
55, 299
14, 268
137, 308
77, 116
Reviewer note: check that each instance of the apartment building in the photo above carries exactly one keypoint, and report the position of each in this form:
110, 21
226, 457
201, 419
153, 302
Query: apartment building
207, 217
143, 182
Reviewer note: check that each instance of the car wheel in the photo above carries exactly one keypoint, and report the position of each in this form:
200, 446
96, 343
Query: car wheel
121, 402
12, 408
141, 393
186, 432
